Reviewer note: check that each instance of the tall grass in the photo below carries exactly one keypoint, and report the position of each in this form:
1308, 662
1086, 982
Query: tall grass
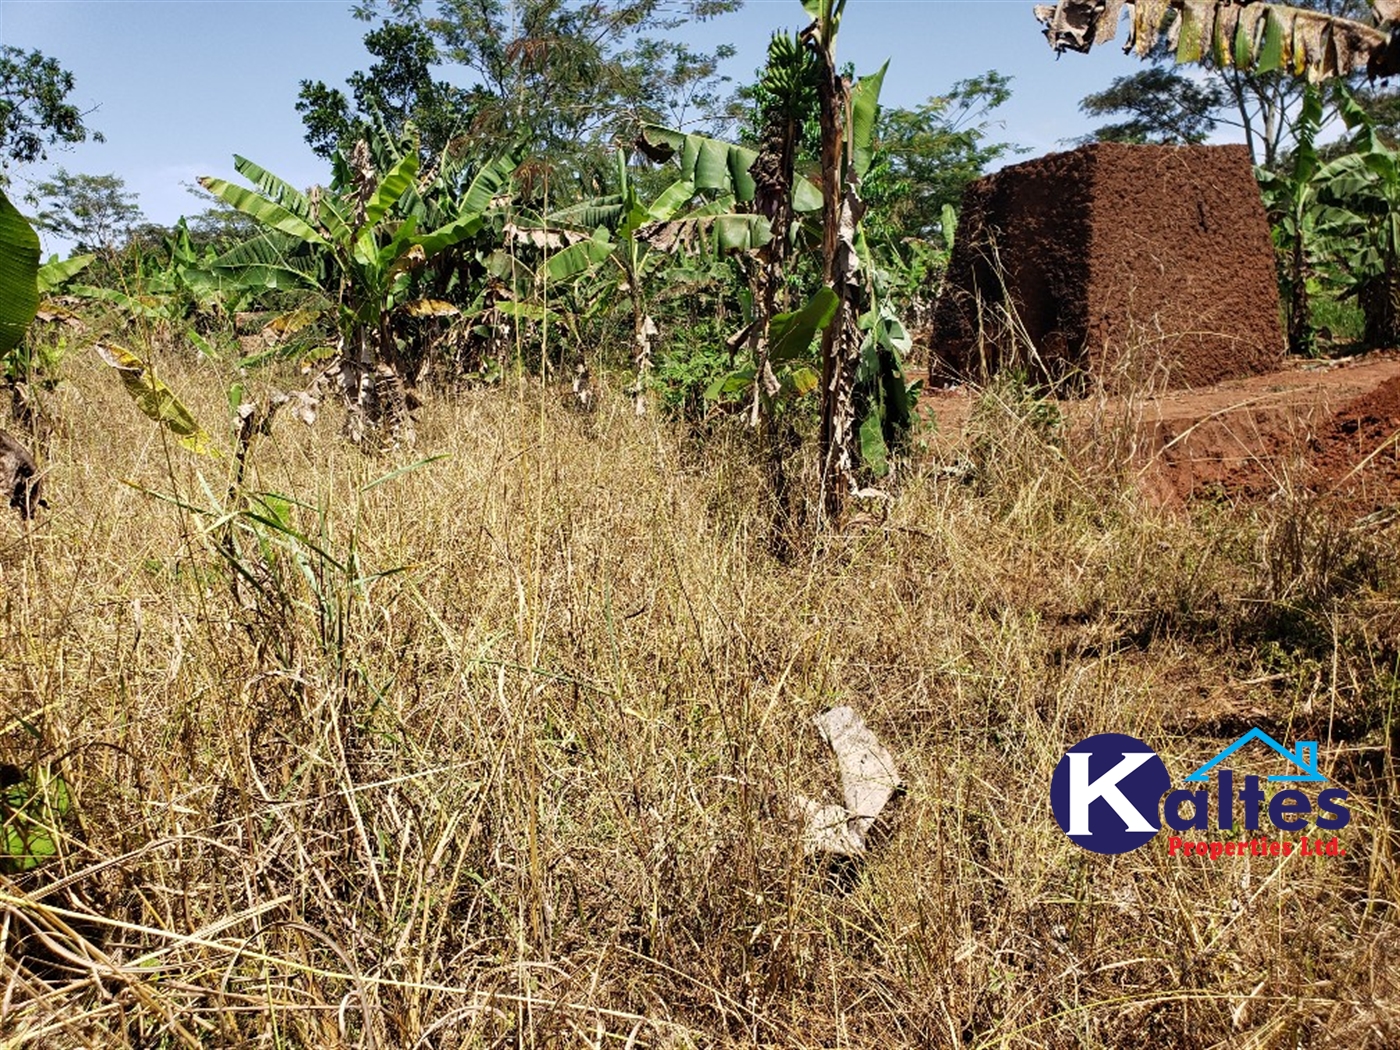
498, 750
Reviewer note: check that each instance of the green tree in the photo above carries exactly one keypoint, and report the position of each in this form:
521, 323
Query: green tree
96, 212
1158, 106
35, 111
569, 78
397, 89
926, 156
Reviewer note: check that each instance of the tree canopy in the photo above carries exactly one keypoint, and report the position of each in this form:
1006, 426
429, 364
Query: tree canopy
97, 212
926, 156
1159, 106
35, 109
567, 78
397, 88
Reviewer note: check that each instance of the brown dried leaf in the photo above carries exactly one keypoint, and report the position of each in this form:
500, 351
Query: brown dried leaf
1106, 27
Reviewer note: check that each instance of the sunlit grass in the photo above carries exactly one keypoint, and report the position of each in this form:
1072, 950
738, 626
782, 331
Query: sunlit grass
499, 751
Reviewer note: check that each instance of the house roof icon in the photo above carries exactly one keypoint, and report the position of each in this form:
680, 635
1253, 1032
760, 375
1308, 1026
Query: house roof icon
1304, 756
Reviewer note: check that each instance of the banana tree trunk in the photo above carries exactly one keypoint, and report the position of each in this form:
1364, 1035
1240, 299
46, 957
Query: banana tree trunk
841, 212
376, 400
643, 339
1300, 330
1380, 304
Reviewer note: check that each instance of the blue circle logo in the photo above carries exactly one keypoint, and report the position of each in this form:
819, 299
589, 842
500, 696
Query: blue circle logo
1107, 791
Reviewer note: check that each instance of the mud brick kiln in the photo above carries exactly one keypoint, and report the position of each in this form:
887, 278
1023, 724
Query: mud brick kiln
1132, 264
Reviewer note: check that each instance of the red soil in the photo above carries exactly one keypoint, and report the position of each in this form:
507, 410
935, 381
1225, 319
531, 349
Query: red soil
1355, 455
1330, 427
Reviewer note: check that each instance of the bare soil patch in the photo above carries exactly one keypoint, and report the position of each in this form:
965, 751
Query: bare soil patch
1330, 426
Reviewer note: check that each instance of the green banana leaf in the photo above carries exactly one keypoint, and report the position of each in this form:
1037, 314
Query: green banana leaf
873, 450
739, 233
55, 273
444, 237
19, 269
269, 260
400, 177
489, 181
579, 258
330, 214
713, 164
607, 211
150, 307
865, 108
273, 188
262, 209
790, 335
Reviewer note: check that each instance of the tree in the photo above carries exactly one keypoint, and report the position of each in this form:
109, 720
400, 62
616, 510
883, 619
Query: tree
94, 211
396, 89
34, 109
570, 78
1160, 107
926, 156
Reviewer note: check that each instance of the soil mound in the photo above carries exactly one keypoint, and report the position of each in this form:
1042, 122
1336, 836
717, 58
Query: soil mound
1355, 456
1125, 263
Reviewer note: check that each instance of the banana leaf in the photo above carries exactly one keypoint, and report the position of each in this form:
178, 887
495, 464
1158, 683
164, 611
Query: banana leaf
19, 269
713, 164
1249, 35
790, 335
267, 261
391, 187
262, 209
150, 307
55, 273
865, 107
156, 400
607, 211
580, 258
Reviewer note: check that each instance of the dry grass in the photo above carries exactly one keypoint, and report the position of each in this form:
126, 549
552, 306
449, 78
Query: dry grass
498, 752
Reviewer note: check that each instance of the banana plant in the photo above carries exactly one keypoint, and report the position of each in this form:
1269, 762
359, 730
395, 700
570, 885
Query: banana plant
24, 289
1360, 219
171, 286
364, 245
634, 237
859, 371
1291, 201
33, 365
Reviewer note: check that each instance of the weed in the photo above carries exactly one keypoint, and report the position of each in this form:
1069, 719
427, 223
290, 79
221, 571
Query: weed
499, 749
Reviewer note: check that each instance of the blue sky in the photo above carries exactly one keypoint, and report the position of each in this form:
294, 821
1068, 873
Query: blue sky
179, 86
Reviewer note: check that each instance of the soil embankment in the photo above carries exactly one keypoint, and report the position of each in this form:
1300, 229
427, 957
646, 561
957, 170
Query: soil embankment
1330, 427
